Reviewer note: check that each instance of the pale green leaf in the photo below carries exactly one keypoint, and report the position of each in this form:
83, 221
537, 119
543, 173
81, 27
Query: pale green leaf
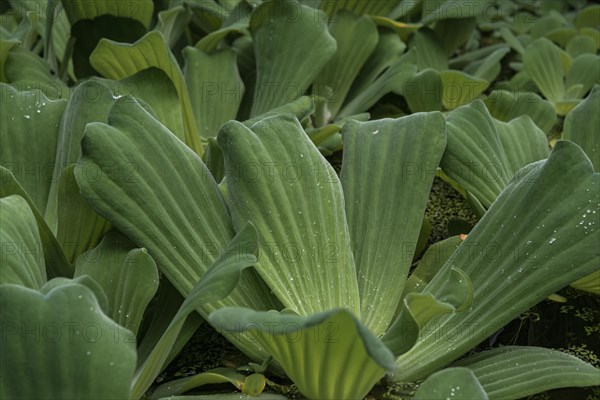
520, 371
86, 281
455, 32
277, 179
289, 53
120, 60
488, 68
5, 47
27, 71
432, 261
169, 204
156, 90
543, 64
329, 355
517, 255
388, 162
584, 73
474, 157
448, 383
168, 302
390, 48
392, 79
356, 39
581, 44
522, 142
589, 283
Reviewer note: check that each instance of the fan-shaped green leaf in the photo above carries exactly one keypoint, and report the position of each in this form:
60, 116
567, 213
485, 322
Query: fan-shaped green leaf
26, 70
581, 44
488, 68
505, 106
584, 73
522, 142
418, 309
392, 79
424, 91
215, 87
90, 102
589, 283
356, 38
329, 355
451, 382
301, 108
524, 253
292, 44
120, 60
277, 179
154, 88
79, 227
432, 261
168, 202
543, 64
460, 88
389, 50
5, 46
429, 49
520, 371
127, 274
77, 348
474, 156
388, 165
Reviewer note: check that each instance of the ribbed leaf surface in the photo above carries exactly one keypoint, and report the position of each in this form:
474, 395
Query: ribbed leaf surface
22, 255
292, 44
277, 179
77, 349
540, 235
330, 355
515, 372
157, 192
387, 172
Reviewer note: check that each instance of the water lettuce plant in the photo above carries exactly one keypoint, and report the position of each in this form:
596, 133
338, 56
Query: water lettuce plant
325, 257
162, 165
